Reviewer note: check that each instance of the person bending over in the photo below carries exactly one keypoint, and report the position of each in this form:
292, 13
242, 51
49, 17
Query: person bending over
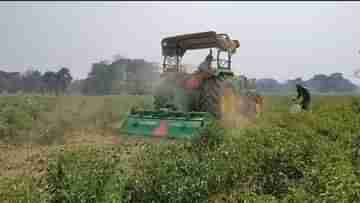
304, 94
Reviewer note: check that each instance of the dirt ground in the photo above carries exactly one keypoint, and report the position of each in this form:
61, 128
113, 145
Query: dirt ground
31, 159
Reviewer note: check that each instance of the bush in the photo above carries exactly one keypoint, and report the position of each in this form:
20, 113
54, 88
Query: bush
305, 157
209, 138
355, 105
18, 114
82, 176
292, 160
168, 174
22, 189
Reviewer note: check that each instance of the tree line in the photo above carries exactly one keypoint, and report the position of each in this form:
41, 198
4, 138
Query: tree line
138, 76
123, 75
33, 81
321, 83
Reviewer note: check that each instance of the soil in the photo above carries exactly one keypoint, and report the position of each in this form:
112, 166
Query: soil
31, 159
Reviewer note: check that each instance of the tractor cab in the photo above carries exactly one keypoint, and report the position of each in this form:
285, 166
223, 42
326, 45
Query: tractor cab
174, 49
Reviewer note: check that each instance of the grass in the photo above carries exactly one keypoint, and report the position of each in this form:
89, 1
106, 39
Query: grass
70, 152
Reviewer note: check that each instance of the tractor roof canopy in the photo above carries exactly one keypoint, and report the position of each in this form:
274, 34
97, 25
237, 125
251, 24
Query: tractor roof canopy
177, 45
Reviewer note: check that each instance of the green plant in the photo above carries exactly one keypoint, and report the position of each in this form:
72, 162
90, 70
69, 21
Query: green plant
355, 105
19, 113
168, 174
80, 176
211, 137
305, 157
20, 189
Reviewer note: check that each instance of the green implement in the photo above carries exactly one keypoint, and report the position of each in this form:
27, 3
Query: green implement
163, 123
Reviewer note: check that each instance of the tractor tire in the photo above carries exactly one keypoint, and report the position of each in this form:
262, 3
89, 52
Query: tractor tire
218, 96
212, 92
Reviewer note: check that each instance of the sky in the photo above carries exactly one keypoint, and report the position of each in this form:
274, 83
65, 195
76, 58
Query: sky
280, 40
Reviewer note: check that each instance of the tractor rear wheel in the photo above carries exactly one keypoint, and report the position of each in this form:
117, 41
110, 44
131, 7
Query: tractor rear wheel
217, 96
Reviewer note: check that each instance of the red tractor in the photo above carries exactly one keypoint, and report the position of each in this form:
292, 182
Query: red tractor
185, 102
212, 88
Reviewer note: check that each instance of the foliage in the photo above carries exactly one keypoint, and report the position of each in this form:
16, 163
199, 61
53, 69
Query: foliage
174, 176
304, 157
57, 81
132, 76
20, 189
321, 83
18, 114
307, 157
209, 138
81, 176
356, 105
33, 81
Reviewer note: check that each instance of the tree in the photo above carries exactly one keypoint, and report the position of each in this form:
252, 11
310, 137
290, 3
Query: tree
63, 80
32, 81
267, 83
129, 75
50, 81
10, 81
98, 81
319, 82
4, 81
76, 87
335, 82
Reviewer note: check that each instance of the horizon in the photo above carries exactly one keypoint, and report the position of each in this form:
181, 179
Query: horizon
279, 40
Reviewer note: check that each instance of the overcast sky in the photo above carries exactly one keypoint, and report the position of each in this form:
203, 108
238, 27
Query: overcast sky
278, 39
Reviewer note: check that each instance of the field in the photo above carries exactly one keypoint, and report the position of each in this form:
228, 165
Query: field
66, 149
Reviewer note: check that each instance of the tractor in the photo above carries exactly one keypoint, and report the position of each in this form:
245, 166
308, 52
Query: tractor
185, 102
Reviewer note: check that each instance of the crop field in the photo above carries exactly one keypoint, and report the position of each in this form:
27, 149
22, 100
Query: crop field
67, 149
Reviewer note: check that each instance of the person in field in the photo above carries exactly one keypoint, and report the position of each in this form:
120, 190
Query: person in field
204, 72
304, 94
205, 66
